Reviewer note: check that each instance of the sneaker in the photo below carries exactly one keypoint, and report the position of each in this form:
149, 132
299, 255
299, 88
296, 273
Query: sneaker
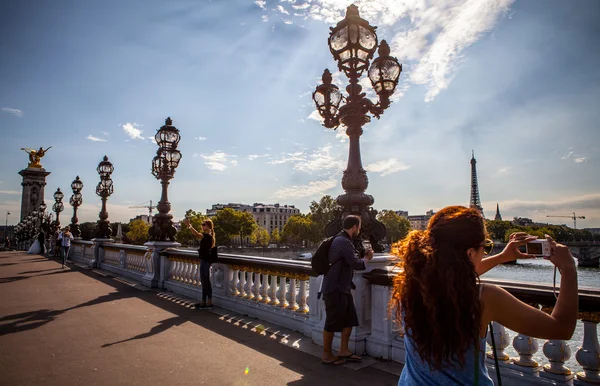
201, 306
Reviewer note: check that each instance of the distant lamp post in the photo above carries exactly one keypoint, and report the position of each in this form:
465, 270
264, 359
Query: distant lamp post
104, 189
75, 201
6, 224
58, 205
353, 43
163, 168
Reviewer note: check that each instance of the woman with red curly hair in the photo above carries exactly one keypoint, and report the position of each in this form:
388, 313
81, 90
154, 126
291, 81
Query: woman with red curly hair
445, 309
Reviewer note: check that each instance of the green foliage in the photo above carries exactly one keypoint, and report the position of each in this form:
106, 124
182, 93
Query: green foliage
184, 235
298, 229
260, 236
226, 226
246, 225
321, 213
397, 226
138, 231
275, 236
87, 230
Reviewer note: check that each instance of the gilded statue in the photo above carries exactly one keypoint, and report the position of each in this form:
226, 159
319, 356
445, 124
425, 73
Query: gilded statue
35, 156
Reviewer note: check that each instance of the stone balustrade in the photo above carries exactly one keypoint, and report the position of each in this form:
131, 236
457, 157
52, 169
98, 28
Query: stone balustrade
278, 291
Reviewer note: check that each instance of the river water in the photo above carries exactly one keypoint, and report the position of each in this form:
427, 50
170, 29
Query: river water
542, 271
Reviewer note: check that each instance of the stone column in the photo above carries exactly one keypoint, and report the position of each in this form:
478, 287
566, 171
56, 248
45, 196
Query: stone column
34, 181
154, 276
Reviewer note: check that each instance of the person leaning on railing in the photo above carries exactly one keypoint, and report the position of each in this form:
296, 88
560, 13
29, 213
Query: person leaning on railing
445, 310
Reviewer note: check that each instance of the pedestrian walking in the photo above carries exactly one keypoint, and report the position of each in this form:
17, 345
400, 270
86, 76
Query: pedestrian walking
445, 310
64, 238
337, 292
42, 240
207, 254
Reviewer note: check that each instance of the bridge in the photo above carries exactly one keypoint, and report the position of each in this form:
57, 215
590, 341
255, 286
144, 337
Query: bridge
587, 253
121, 314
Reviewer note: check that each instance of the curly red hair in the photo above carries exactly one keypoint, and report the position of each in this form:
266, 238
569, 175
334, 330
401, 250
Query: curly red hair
436, 291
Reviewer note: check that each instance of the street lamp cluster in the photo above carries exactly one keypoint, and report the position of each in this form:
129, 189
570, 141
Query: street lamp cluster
104, 189
353, 43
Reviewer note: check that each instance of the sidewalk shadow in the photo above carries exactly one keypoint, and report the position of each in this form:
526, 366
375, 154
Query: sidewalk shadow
161, 327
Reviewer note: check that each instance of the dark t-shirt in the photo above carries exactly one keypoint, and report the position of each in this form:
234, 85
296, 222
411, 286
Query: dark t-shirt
205, 246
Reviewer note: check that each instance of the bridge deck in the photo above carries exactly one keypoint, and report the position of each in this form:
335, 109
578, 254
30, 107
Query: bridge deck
76, 327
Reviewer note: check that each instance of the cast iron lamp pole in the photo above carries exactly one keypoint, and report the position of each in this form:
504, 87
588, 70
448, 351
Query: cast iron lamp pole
104, 189
163, 168
75, 201
353, 42
58, 205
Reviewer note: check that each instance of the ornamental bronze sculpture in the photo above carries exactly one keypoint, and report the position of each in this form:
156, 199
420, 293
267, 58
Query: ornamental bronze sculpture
163, 168
35, 156
353, 43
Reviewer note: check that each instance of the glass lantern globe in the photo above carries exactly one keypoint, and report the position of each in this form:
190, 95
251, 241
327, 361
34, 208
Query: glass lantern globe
385, 71
58, 195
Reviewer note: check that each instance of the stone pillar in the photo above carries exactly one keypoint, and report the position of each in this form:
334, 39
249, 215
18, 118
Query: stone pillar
34, 181
155, 276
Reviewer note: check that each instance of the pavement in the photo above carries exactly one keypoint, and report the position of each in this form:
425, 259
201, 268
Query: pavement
79, 326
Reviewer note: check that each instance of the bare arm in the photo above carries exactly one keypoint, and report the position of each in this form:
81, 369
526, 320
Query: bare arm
197, 234
510, 252
502, 307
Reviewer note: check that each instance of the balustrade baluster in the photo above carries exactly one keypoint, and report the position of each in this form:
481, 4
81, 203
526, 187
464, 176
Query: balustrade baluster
557, 352
273, 291
283, 302
502, 341
242, 284
187, 272
195, 270
303, 306
250, 286
588, 356
235, 291
265, 289
256, 287
172, 269
293, 305
526, 347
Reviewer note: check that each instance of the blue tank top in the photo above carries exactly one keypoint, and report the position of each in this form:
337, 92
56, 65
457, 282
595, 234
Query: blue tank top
417, 372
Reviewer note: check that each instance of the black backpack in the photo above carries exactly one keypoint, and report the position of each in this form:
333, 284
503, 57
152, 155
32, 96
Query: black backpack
320, 260
213, 257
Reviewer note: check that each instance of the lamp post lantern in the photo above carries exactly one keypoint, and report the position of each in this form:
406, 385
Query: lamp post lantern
75, 201
163, 168
104, 189
58, 205
353, 43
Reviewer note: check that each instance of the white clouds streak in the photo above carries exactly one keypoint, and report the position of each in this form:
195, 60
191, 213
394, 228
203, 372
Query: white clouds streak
11, 192
300, 191
131, 129
219, 161
252, 157
261, 4
282, 10
16, 112
386, 167
95, 139
321, 160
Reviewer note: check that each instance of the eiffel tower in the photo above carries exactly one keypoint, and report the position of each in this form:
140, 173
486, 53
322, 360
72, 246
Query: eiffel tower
475, 202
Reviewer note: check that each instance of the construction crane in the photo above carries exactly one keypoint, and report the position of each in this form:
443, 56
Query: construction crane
574, 217
150, 207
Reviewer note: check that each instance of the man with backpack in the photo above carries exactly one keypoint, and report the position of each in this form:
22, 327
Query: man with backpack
337, 291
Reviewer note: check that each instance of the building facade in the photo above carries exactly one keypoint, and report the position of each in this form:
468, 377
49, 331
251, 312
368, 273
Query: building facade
417, 222
268, 216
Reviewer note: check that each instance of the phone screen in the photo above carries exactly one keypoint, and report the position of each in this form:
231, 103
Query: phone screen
534, 248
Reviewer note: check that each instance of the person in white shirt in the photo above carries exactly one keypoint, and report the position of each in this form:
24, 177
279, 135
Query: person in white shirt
64, 238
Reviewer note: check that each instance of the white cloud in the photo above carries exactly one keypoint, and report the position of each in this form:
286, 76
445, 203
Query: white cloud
321, 160
200, 138
433, 34
95, 139
153, 140
567, 156
131, 129
105, 133
219, 160
282, 10
261, 4
9, 192
386, 167
252, 157
579, 160
505, 169
313, 188
265, 18
15, 112
288, 22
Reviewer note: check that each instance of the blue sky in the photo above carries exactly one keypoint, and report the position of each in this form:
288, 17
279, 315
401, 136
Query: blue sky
517, 81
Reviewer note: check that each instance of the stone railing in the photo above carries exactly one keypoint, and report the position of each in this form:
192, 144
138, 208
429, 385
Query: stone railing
278, 291
527, 365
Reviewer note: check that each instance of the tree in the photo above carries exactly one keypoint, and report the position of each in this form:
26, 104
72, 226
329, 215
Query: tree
497, 229
275, 236
87, 230
226, 226
321, 213
138, 231
397, 226
246, 225
260, 236
184, 235
297, 229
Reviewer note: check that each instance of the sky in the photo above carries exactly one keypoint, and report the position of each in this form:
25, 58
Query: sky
517, 82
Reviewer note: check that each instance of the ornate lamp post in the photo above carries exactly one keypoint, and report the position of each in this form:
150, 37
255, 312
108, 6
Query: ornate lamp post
75, 201
353, 43
163, 168
104, 189
58, 205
